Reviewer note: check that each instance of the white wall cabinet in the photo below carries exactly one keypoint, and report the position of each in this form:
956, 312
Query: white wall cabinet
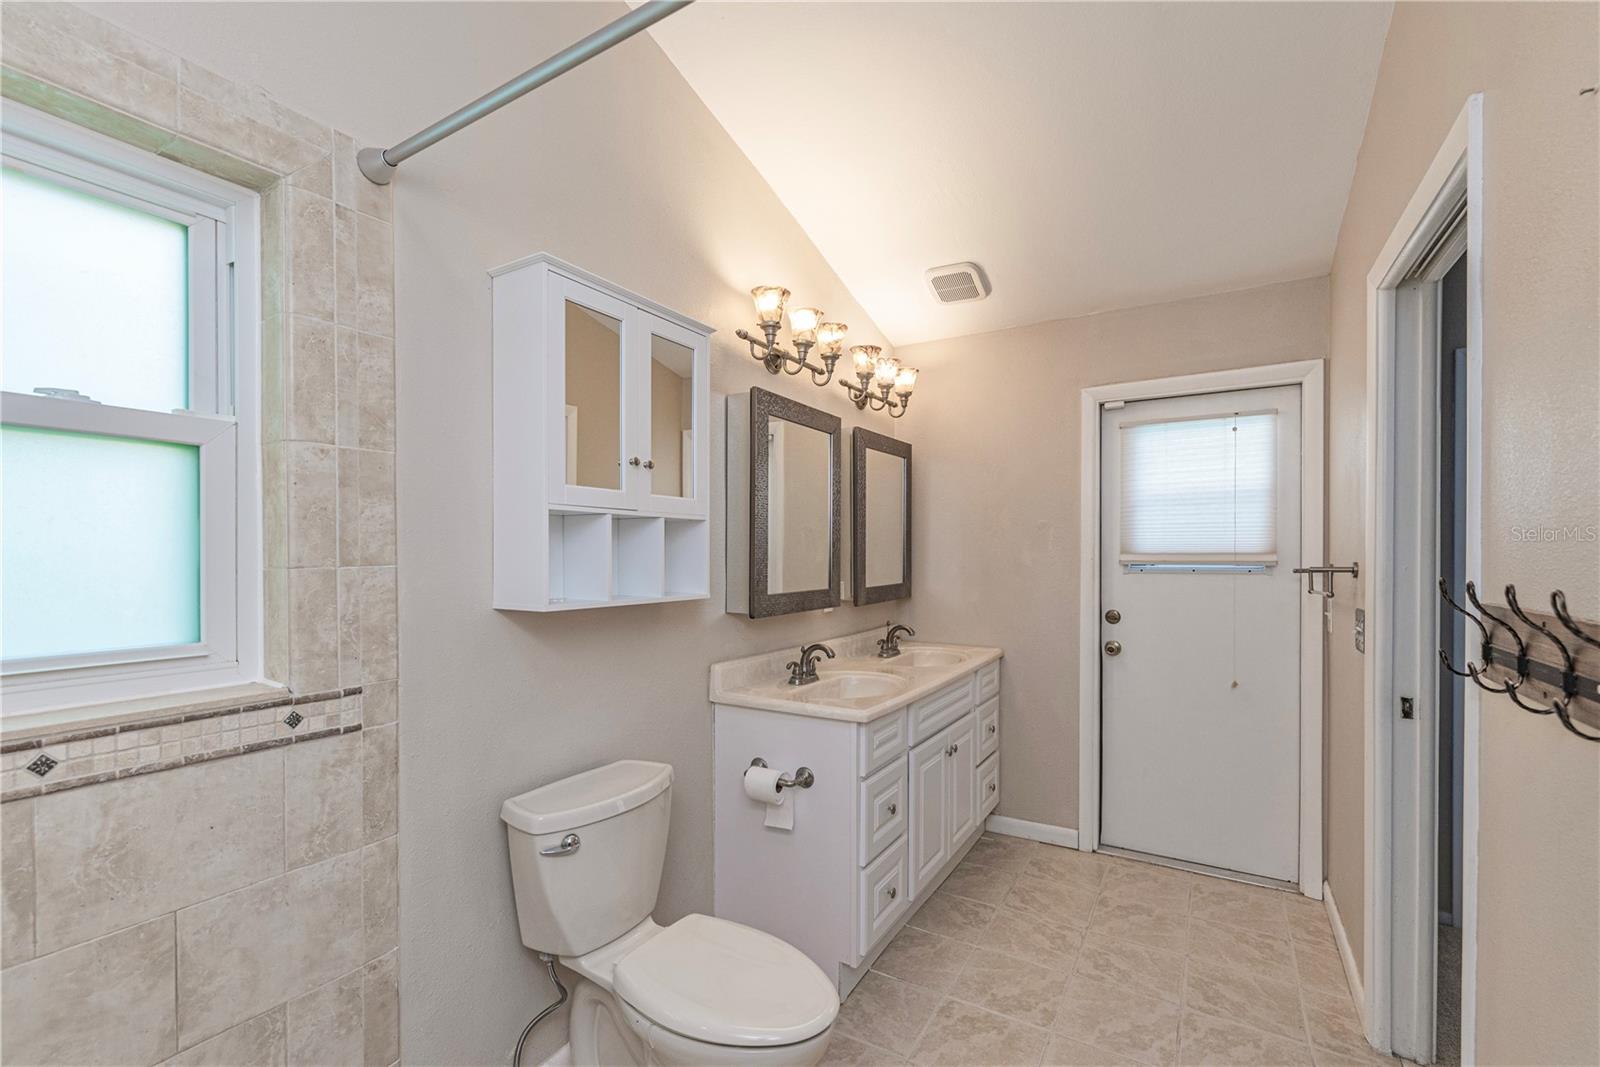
898, 799
601, 443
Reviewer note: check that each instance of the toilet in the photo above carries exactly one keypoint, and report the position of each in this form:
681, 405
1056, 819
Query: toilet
586, 860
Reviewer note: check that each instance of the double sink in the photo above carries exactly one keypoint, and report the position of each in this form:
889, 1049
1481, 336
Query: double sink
868, 680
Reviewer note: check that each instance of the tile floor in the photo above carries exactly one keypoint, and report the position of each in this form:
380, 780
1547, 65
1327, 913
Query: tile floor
1038, 955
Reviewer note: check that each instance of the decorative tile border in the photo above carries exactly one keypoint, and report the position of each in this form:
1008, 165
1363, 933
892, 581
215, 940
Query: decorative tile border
75, 758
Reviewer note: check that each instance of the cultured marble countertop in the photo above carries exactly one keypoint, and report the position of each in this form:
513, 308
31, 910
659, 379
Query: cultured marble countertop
762, 681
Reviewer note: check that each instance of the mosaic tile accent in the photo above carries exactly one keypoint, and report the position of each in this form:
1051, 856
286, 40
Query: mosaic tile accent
86, 757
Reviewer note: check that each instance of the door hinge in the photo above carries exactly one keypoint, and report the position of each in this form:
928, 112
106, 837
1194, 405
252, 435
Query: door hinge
1408, 708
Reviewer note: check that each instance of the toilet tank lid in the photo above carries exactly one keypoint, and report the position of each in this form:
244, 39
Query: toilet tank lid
589, 797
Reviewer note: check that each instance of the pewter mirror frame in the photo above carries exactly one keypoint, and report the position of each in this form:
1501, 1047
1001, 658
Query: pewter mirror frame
765, 406
863, 441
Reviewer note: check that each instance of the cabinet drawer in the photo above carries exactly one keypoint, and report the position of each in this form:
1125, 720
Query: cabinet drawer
988, 785
988, 728
936, 711
879, 741
988, 682
881, 813
883, 897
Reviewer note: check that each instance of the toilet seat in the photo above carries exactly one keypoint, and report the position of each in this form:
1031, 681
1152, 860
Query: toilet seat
723, 983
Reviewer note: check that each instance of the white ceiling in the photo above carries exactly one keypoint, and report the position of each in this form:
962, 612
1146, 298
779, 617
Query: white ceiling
1087, 156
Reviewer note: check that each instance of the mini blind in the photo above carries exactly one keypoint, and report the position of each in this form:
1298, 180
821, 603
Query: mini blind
1200, 490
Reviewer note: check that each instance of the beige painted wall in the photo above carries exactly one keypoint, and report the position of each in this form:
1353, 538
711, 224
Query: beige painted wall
616, 167
995, 506
1539, 952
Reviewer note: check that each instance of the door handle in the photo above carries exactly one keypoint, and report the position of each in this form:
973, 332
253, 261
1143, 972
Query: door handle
1113, 648
566, 847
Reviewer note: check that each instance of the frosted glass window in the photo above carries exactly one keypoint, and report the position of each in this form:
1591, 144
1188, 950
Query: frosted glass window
1200, 489
102, 543
96, 296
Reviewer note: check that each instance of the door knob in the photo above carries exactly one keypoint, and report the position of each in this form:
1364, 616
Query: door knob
1113, 648
1113, 616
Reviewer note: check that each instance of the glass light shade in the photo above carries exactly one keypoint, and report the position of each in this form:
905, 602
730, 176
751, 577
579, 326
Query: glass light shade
885, 370
769, 301
865, 357
906, 380
830, 335
803, 323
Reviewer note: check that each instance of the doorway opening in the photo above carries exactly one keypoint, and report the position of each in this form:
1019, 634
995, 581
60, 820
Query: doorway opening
1269, 419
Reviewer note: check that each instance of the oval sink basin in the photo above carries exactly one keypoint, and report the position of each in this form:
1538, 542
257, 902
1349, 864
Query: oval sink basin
929, 657
856, 685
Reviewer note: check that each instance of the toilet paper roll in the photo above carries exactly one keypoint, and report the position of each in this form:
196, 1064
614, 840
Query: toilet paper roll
761, 784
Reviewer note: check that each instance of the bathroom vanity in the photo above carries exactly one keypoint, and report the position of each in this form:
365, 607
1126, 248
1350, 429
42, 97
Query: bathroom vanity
904, 756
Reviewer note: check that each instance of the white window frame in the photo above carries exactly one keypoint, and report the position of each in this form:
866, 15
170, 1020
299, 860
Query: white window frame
223, 419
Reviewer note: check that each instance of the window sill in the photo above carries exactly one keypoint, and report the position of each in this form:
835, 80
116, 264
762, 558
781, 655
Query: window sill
57, 723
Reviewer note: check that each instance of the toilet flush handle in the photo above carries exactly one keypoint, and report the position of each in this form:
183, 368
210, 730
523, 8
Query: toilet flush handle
566, 847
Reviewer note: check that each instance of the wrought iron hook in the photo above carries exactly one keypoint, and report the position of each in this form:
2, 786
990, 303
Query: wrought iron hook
1558, 606
1522, 648
1483, 631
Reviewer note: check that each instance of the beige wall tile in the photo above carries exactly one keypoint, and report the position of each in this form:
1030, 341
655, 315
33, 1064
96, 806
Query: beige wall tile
313, 629
275, 593
374, 277
322, 799
256, 104
16, 882
315, 177
380, 703
350, 627
327, 1026
313, 497
311, 260
377, 392
249, 950
46, 40
88, 31
114, 854
309, 382
379, 624
108, 1001
380, 994
350, 186
380, 894
344, 264
275, 503
258, 1042
274, 250
274, 361
347, 372
380, 792
377, 511
349, 507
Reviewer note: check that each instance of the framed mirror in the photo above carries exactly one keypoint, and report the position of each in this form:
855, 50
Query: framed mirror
881, 518
795, 456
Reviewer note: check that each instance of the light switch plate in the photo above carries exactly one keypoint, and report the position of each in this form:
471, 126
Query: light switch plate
1361, 631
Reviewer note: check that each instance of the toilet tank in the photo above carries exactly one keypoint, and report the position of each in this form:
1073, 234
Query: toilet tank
580, 894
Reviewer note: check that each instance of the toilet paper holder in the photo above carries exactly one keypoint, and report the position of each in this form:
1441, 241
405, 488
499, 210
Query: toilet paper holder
803, 778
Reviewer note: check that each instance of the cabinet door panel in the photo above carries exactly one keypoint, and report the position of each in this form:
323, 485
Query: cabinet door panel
961, 777
670, 431
589, 339
930, 812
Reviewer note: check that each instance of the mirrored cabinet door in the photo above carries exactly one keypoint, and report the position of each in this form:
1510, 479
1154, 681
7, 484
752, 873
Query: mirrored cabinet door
590, 337
669, 398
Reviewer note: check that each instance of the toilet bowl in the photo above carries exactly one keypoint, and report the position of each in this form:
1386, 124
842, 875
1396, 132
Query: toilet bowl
586, 860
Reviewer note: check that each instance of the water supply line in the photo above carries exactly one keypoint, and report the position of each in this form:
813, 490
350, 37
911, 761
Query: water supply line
379, 164
561, 990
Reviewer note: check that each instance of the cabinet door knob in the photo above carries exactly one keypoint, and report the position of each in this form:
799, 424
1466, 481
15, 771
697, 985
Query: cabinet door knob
893, 892
649, 464
894, 809
633, 462
993, 727
991, 787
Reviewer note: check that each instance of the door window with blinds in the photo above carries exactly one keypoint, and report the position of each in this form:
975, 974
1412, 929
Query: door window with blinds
1200, 493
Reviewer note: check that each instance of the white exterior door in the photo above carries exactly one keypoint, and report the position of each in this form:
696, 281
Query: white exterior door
1200, 672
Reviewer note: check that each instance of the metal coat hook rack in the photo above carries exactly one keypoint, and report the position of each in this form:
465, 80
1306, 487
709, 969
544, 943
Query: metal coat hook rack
1519, 663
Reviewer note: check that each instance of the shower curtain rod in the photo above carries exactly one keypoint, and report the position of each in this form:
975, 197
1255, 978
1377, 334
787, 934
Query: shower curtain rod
379, 165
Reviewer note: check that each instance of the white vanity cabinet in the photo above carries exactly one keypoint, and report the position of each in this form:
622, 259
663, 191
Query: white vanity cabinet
602, 463
900, 793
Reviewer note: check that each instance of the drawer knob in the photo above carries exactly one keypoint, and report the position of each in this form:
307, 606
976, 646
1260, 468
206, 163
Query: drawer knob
993, 727
991, 787
893, 892
894, 809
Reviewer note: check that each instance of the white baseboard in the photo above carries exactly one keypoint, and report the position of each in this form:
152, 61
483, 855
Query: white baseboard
1346, 957
561, 1057
1033, 831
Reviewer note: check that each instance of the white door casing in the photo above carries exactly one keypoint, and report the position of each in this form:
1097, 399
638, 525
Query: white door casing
1200, 716
1309, 375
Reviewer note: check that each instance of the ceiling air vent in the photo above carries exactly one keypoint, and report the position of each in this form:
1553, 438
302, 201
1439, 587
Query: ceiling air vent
958, 283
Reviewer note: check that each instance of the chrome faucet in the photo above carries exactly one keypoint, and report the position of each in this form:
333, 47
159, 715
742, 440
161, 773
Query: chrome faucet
889, 647
804, 670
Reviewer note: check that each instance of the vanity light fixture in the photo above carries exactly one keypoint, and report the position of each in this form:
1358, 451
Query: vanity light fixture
878, 375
